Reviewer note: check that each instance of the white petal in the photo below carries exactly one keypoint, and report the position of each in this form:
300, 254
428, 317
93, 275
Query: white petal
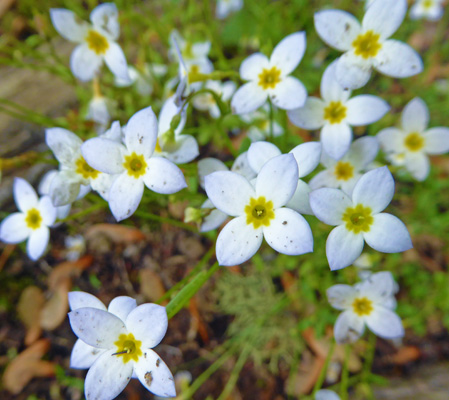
398, 60
310, 116
141, 132
102, 184
288, 52
187, 150
37, 242
352, 72
105, 17
125, 196
44, 184
365, 109
237, 242
337, 28
289, 93
385, 323
116, 61
437, 140
348, 328
253, 65
154, 374
391, 140
307, 156
24, 195
241, 166
14, 229
107, 377
248, 98
169, 110
300, 199
228, 191
340, 296
363, 151
330, 89
47, 210
83, 355
148, 323
343, 247
64, 144
121, 306
325, 394
329, 204
212, 221
380, 287
83, 299
84, 63
259, 153
104, 155
289, 233
64, 188
208, 165
162, 176
418, 165
336, 139
324, 179
277, 180
388, 234
384, 17
68, 25
375, 189
415, 116
96, 327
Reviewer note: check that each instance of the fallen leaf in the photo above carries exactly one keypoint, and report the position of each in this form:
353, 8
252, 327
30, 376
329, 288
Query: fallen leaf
151, 285
115, 233
55, 310
68, 270
29, 309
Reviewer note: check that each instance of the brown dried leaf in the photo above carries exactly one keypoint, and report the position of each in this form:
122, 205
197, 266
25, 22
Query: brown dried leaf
28, 365
67, 270
56, 308
151, 285
29, 309
116, 233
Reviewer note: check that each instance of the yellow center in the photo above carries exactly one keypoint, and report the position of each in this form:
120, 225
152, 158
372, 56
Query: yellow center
414, 141
85, 170
97, 42
128, 347
362, 306
367, 45
135, 165
33, 218
259, 212
269, 78
194, 73
344, 171
335, 112
158, 148
187, 52
427, 4
358, 219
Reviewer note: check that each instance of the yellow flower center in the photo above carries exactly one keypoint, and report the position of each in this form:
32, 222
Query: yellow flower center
194, 73
33, 218
362, 306
259, 212
344, 171
158, 148
367, 45
335, 112
85, 170
97, 42
426, 4
414, 141
135, 165
187, 52
358, 219
269, 78
128, 347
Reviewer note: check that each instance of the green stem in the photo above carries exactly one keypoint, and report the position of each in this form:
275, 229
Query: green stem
345, 374
158, 218
319, 382
87, 211
271, 119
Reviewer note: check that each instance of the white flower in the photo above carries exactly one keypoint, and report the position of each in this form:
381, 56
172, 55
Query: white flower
96, 41
410, 144
75, 246
269, 78
307, 157
336, 113
260, 128
125, 337
225, 7
143, 78
75, 177
133, 164
367, 46
44, 190
206, 166
206, 102
360, 219
32, 221
325, 394
171, 144
345, 173
429, 9
98, 112
192, 53
370, 303
259, 212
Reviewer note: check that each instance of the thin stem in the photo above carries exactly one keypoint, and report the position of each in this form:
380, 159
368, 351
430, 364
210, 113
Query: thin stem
319, 382
345, 374
87, 211
158, 218
271, 119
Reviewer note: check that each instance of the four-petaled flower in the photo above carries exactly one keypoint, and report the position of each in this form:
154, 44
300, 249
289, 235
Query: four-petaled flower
370, 302
432, 10
96, 41
360, 219
269, 78
367, 46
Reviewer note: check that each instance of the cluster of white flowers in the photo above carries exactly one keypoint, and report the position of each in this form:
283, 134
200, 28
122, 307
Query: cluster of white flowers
265, 192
